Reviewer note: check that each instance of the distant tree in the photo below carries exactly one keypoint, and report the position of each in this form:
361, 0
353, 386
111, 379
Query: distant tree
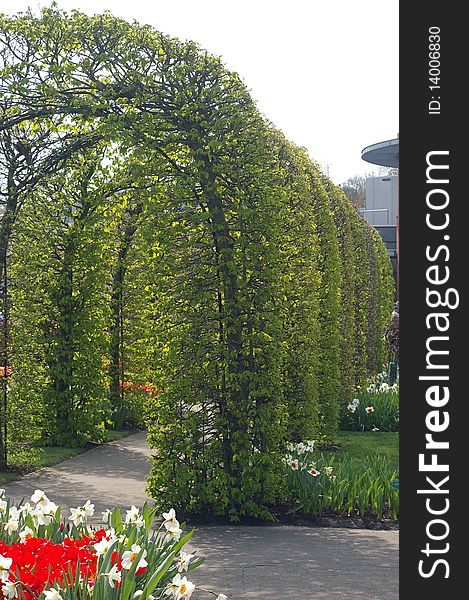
355, 187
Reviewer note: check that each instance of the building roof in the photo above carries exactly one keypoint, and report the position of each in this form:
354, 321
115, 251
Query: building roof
385, 153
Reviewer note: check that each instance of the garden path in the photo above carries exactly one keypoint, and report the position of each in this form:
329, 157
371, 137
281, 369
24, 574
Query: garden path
263, 562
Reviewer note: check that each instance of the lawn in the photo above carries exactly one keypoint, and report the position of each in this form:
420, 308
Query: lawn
356, 476
354, 444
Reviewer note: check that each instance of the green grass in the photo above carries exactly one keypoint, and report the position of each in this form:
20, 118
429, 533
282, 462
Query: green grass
356, 444
31, 457
360, 477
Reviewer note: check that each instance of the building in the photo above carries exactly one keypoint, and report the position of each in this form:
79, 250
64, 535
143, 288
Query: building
382, 198
381, 211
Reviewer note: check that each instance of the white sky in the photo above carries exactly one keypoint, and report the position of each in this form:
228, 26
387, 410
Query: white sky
325, 72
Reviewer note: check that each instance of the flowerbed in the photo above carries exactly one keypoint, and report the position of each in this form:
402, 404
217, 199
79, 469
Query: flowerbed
354, 486
43, 556
376, 407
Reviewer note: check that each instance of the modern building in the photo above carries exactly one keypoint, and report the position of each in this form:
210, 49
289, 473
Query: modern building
382, 198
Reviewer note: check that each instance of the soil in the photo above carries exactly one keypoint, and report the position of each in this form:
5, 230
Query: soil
335, 519
330, 518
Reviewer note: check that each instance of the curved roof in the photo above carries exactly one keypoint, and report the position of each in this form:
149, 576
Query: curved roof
383, 153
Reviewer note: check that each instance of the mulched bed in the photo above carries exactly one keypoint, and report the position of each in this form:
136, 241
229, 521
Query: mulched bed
334, 519
329, 518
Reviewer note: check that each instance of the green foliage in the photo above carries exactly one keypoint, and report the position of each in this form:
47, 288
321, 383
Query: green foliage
353, 485
375, 408
173, 261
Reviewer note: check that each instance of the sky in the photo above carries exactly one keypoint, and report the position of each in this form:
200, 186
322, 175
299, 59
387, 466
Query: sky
325, 72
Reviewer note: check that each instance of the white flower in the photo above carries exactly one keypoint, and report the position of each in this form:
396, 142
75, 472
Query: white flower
139, 593
26, 534
310, 447
351, 408
221, 597
300, 448
3, 506
14, 513
5, 564
49, 509
40, 498
328, 470
173, 531
9, 590
170, 517
133, 515
113, 576
369, 410
180, 588
12, 525
103, 546
88, 509
52, 594
130, 555
375, 429
77, 516
184, 560
106, 514
26, 508
2, 492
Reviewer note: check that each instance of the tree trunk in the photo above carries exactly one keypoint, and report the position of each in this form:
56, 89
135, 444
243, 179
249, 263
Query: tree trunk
116, 358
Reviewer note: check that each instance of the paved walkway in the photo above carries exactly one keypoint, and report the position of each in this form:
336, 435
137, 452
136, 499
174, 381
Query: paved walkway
263, 562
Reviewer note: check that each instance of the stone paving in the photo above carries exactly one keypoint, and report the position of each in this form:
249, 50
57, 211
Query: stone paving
275, 562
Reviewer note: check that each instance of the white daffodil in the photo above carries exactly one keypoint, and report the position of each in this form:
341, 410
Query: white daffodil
180, 588
26, 534
10, 590
328, 470
77, 516
52, 594
310, 448
3, 506
351, 408
173, 531
132, 515
221, 597
184, 560
5, 564
113, 576
49, 510
88, 509
369, 410
103, 546
12, 525
106, 514
26, 508
14, 513
170, 517
300, 448
129, 556
40, 498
